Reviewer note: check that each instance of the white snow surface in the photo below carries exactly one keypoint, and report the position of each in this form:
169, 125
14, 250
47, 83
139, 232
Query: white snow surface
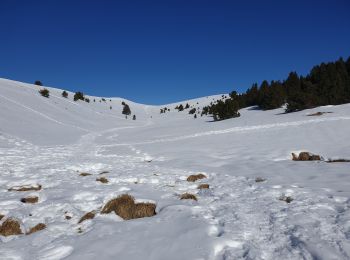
49, 141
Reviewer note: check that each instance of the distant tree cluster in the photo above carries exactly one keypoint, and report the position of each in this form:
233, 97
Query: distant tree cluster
326, 84
224, 108
164, 110
179, 108
79, 96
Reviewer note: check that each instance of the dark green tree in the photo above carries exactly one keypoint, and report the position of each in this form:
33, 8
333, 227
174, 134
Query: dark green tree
38, 83
224, 109
44, 92
192, 111
78, 96
180, 107
126, 110
65, 94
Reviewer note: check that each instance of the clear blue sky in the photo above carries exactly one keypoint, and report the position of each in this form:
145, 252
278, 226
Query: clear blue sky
157, 52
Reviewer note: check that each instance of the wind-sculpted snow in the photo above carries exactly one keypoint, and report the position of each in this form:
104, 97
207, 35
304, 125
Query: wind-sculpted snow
50, 142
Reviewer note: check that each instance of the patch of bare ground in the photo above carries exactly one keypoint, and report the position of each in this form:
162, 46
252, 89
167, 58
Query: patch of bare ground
26, 188
89, 215
30, 199
203, 186
104, 172
102, 179
85, 174
319, 113
286, 199
195, 177
36, 228
306, 156
10, 227
188, 196
125, 207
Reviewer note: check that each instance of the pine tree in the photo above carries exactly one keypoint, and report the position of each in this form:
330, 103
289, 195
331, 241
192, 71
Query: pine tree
273, 97
134, 117
252, 95
44, 92
126, 110
65, 94
263, 92
348, 65
192, 111
78, 96
38, 83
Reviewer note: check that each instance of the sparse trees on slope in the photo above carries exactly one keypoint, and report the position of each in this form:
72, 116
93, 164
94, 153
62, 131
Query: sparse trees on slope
180, 107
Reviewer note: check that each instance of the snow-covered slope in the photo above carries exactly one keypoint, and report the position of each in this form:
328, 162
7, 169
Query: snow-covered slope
50, 141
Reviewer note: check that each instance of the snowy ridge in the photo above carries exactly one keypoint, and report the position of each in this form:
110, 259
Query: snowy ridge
51, 141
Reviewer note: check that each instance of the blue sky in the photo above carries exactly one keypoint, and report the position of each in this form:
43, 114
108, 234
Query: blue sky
157, 52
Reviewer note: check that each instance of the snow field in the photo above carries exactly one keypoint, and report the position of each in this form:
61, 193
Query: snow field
50, 141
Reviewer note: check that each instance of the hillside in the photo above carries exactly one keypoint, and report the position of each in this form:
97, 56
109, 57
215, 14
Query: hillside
51, 141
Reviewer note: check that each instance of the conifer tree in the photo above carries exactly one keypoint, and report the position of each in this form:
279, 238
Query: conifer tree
78, 96
44, 92
126, 110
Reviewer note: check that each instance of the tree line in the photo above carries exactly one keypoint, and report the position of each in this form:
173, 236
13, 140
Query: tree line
326, 84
